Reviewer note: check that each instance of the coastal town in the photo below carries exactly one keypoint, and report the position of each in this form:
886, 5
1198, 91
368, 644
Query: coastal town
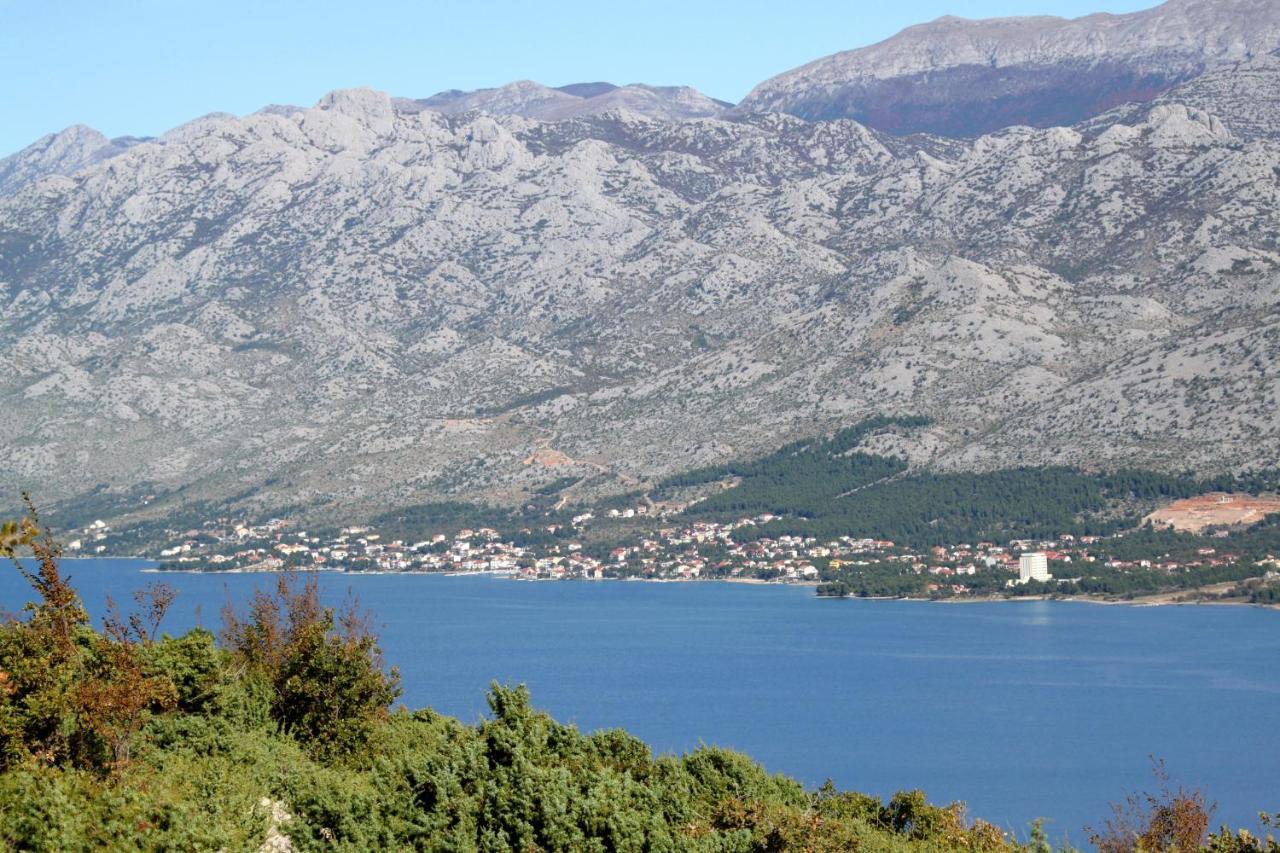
671, 548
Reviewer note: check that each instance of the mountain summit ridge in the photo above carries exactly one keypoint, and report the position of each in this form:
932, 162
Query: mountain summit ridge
533, 100
919, 80
960, 77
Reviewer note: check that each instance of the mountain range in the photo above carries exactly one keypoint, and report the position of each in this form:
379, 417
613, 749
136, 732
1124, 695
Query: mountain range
378, 301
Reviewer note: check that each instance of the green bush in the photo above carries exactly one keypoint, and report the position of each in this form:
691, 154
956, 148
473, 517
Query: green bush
329, 689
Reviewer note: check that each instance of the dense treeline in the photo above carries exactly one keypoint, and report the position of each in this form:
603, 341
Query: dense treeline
873, 582
440, 517
1260, 594
925, 509
895, 579
801, 479
1131, 582
525, 525
1251, 543
824, 489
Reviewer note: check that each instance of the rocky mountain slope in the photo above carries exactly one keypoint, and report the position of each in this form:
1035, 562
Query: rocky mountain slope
78, 146
1245, 95
373, 302
963, 78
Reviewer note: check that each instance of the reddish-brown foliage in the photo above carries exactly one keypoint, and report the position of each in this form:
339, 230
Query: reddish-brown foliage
1168, 820
72, 695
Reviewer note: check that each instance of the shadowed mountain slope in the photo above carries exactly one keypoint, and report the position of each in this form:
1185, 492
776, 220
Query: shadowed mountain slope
963, 78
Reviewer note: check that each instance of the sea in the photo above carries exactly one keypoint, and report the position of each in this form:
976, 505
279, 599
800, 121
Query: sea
1022, 710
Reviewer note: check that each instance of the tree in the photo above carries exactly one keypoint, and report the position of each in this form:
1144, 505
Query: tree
121, 692
67, 693
324, 667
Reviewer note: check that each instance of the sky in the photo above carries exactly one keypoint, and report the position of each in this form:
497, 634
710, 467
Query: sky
140, 67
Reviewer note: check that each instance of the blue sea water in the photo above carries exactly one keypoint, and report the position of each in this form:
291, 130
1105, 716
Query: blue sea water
1023, 710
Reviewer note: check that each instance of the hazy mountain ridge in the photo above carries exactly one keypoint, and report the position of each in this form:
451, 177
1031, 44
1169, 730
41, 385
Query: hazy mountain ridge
963, 78
533, 100
368, 305
78, 146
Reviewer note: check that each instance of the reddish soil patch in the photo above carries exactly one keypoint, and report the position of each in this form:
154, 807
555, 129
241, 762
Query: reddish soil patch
1214, 510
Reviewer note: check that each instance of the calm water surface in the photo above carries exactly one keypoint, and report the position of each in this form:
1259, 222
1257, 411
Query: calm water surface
1020, 709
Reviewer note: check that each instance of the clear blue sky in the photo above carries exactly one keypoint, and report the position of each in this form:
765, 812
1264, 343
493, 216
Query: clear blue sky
142, 66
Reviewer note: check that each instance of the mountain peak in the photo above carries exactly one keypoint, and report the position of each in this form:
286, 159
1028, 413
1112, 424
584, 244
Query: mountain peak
61, 153
357, 102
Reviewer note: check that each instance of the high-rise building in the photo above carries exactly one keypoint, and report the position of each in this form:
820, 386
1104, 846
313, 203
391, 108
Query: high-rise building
1033, 566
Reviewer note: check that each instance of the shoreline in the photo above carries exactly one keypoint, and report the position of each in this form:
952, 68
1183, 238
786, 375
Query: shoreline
1159, 599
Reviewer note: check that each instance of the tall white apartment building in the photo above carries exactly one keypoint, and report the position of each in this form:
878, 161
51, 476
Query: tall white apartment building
1033, 566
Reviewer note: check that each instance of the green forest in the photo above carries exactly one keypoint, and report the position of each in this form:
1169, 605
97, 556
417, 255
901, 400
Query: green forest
283, 729
1242, 549
825, 489
894, 580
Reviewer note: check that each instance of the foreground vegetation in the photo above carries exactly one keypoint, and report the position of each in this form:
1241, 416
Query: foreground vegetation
282, 731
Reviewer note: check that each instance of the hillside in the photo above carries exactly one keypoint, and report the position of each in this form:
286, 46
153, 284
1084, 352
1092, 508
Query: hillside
1244, 95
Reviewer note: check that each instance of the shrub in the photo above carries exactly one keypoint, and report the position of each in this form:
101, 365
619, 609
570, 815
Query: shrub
1169, 820
325, 669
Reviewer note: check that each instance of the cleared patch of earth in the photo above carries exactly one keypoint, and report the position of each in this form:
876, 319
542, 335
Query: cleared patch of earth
548, 457
1196, 514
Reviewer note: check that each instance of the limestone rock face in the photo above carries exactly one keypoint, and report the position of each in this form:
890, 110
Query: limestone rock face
366, 303
963, 78
1245, 96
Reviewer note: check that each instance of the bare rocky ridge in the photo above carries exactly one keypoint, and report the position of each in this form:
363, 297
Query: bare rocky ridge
78, 146
962, 78
366, 303
58, 154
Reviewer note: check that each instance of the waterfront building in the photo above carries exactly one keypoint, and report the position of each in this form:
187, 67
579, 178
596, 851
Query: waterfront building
1033, 566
